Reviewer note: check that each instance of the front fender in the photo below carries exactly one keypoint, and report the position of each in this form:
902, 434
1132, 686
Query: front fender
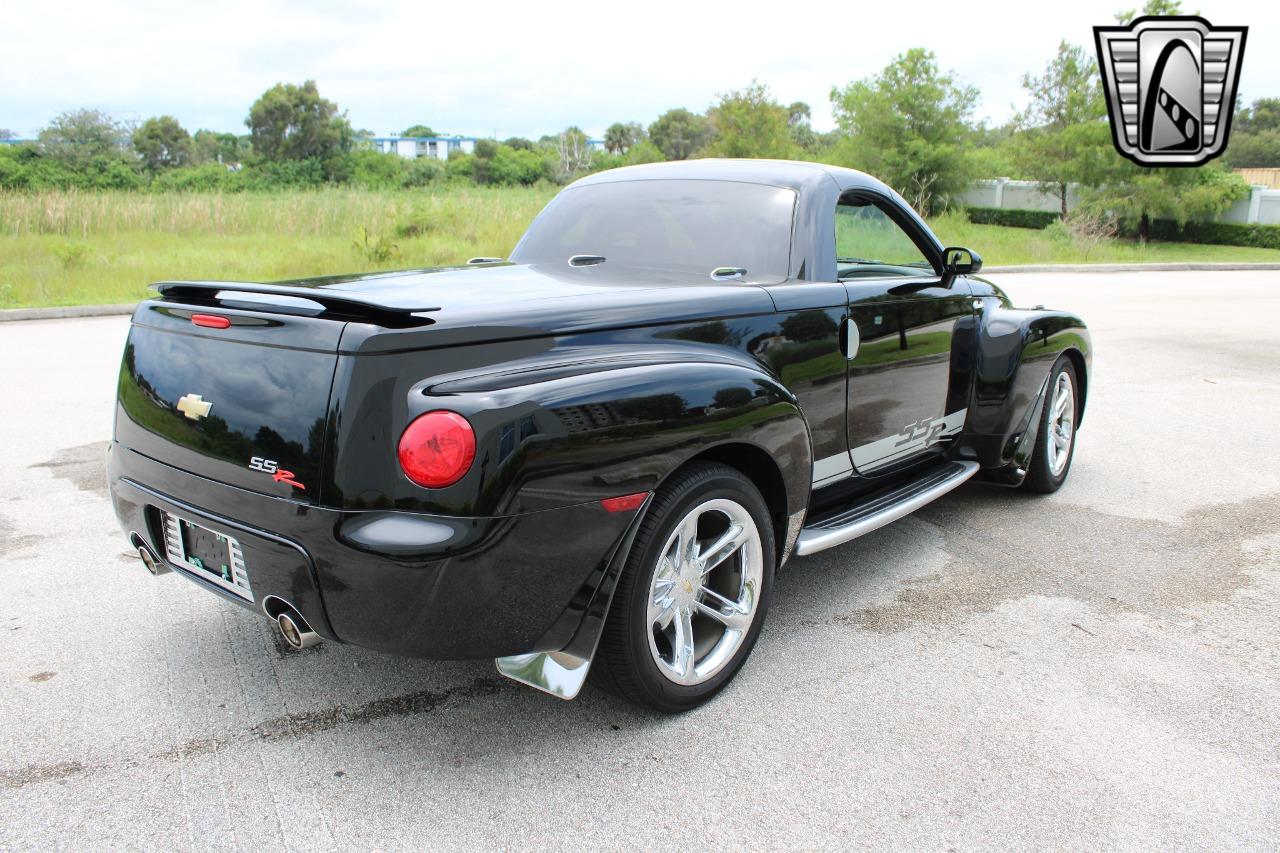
1016, 350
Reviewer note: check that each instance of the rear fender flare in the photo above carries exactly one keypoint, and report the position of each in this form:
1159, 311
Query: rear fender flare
604, 433
754, 410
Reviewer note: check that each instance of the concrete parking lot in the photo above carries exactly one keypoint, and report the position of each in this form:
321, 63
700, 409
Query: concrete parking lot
1095, 668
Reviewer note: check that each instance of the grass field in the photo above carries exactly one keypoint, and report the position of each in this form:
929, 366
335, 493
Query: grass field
73, 248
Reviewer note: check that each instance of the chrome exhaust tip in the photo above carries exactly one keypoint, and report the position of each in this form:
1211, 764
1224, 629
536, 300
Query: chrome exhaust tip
153, 566
296, 633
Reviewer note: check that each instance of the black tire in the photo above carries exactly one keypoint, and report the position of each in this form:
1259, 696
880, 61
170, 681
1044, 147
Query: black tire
624, 663
1041, 477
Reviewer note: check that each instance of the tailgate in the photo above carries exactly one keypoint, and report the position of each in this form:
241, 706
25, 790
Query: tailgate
246, 405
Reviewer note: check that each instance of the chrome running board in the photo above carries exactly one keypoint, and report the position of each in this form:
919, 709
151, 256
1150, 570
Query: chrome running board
882, 508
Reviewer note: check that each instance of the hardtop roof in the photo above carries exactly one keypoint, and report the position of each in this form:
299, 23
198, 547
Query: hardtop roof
793, 174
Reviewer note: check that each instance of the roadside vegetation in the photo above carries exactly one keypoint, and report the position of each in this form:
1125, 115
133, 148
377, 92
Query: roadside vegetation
74, 247
95, 208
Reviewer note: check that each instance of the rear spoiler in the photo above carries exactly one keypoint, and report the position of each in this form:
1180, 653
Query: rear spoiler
343, 301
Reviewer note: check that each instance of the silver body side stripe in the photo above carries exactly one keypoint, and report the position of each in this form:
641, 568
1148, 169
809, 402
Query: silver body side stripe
915, 437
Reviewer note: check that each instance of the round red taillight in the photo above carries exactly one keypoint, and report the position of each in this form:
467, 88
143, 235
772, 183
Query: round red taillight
437, 449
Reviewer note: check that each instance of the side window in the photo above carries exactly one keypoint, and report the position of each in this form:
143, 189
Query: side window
869, 244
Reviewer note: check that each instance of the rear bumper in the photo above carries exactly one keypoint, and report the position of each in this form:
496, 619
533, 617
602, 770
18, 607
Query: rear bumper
403, 583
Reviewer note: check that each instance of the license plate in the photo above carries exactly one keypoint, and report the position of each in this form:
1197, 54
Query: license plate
208, 554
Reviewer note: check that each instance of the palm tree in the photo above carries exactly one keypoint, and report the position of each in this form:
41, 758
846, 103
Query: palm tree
617, 139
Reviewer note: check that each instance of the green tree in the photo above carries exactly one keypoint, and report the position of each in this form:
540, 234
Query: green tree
1062, 135
209, 146
911, 126
679, 134
376, 170
620, 138
616, 139
644, 152
573, 154
1253, 150
1263, 115
295, 123
750, 123
419, 130
799, 117
1152, 7
516, 166
993, 154
1255, 135
77, 137
162, 143
1135, 195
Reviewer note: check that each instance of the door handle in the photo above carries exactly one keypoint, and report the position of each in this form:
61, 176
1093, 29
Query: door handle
849, 338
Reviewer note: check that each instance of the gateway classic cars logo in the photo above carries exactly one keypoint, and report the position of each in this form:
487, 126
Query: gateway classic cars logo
1170, 84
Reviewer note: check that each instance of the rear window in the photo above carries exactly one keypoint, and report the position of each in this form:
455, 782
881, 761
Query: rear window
690, 226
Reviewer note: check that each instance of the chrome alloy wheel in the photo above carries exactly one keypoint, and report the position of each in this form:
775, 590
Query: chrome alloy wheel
704, 593
1062, 418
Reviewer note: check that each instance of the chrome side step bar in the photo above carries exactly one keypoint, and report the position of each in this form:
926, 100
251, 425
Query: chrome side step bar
883, 509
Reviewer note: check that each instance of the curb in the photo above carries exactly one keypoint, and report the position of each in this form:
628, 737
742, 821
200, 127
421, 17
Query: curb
64, 312
1206, 266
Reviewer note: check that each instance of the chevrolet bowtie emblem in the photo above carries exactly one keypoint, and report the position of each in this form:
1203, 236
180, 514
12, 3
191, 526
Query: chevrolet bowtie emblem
194, 406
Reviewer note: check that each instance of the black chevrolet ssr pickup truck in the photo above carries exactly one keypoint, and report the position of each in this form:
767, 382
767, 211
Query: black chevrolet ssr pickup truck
595, 455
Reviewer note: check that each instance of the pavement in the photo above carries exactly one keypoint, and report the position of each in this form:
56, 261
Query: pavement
1096, 668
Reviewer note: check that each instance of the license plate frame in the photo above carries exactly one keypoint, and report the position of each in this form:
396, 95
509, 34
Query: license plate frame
231, 575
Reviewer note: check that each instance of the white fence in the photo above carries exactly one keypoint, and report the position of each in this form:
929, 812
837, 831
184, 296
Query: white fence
1262, 205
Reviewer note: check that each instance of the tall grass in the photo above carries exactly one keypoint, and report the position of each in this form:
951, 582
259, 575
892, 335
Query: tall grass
120, 242
82, 214
76, 247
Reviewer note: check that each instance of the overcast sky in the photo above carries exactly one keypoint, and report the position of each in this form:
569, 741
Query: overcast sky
481, 69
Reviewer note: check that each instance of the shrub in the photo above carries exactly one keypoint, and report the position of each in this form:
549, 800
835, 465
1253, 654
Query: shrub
110, 173
209, 177
645, 152
1088, 230
1057, 232
1011, 218
72, 256
375, 170
422, 172
460, 165
1220, 233
13, 174
510, 167
375, 248
286, 174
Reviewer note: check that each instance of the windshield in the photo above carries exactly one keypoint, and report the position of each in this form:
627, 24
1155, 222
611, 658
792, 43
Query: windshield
693, 226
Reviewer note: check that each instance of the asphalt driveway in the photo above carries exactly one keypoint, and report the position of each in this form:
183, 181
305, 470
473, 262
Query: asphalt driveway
1095, 668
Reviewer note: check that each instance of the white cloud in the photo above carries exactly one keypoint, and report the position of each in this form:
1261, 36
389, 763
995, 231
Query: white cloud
525, 69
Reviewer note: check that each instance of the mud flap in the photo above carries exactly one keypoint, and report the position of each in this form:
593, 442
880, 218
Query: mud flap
562, 673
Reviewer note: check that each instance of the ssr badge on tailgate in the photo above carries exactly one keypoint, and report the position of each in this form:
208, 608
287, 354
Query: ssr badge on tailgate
278, 474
